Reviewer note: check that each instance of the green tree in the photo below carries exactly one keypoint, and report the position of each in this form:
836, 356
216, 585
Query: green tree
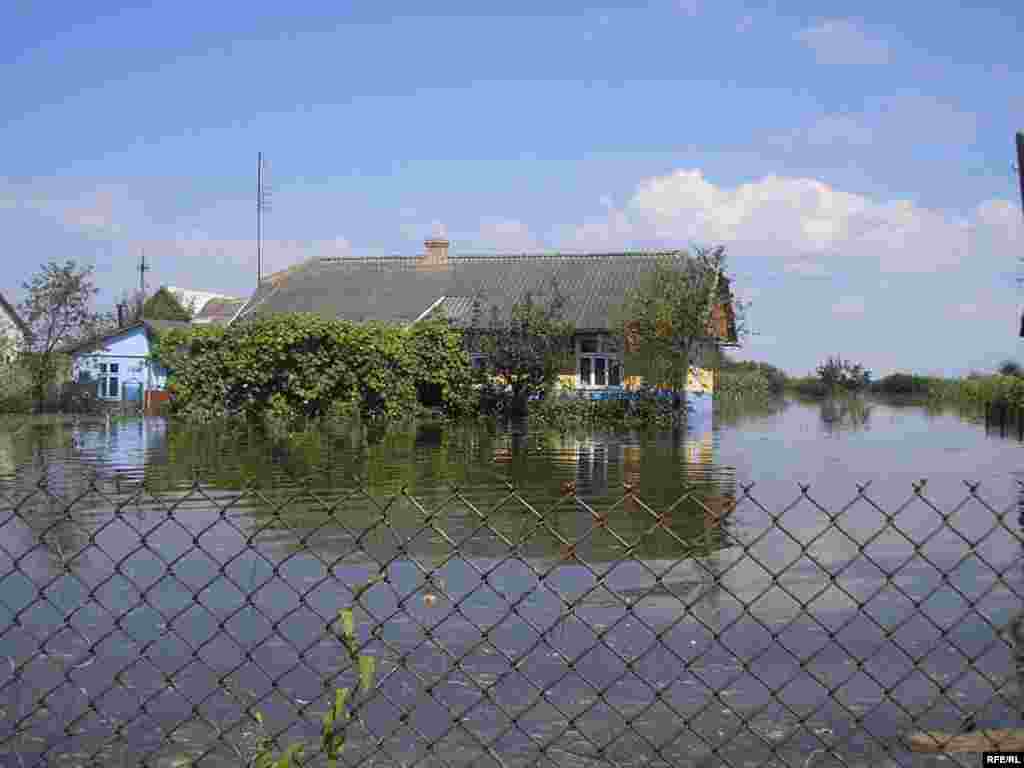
1011, 368
163, 305
838, 374
440, 364
681, 306
59, 313
524, 348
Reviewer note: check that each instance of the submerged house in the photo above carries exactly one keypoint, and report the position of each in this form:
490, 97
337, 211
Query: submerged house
119, 363
403, 290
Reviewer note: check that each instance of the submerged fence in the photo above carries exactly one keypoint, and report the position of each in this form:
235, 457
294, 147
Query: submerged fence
332, 627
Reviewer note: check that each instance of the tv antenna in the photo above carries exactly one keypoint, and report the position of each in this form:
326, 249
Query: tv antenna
263, 194
143, 269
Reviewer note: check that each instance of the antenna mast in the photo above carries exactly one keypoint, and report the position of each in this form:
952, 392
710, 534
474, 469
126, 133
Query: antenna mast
259, 218
1020, 165
143, 269
1020, 176
262, 206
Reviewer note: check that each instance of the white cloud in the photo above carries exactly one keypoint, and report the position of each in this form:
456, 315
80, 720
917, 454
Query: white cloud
100, 211
503, 234
849, 305
805, 225
843, 41
898, 134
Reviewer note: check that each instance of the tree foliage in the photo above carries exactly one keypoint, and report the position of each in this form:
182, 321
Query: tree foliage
902, 384
58, 310
1011, 368
524, 349
164, 305
303, 365
668, 319
838, 374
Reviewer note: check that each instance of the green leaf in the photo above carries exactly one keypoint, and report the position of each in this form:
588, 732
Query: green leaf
292, 752
348, 623
367, 667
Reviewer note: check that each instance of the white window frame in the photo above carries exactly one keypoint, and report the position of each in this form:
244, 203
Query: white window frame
109, 373
607, 351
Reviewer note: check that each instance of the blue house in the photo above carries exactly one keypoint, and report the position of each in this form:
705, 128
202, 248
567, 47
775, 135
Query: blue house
119, 362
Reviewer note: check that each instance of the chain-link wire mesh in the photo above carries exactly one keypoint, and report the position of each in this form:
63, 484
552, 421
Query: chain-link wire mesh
213, 627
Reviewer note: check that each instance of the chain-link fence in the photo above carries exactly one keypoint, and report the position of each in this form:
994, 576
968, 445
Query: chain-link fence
218, 627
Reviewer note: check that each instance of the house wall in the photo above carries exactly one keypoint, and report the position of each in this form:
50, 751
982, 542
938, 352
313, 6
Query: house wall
130, 352
700, 379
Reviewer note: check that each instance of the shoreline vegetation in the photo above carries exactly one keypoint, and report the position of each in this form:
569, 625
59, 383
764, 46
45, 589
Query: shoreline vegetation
407, 383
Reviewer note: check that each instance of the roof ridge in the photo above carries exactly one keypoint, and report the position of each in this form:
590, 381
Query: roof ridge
492, 257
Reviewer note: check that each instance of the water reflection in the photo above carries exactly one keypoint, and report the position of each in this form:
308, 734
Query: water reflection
636, 496
845, 414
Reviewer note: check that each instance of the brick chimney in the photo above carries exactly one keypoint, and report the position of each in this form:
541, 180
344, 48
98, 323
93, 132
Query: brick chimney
437, 252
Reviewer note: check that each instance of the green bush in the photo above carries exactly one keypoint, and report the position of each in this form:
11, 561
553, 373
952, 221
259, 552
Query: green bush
807, 386
292, 366
838, 374
16, 394
748, 378
902, 384
1011, 368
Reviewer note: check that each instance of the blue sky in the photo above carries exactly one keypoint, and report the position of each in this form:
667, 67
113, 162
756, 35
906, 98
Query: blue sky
854, 158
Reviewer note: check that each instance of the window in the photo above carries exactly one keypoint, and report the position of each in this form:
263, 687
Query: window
599, 363
585, 363
109, 380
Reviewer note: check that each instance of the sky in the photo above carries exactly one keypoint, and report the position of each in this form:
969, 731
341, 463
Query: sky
856, 159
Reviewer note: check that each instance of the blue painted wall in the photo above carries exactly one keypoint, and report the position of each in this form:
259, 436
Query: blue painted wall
129, 352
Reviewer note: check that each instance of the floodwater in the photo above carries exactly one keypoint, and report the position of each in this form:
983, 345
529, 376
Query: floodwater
775, 588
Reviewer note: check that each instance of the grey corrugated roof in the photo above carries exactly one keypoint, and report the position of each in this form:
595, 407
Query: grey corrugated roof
13, 314
218, 311
399, 289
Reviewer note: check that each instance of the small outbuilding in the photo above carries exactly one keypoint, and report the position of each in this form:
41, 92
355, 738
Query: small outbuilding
121, 366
